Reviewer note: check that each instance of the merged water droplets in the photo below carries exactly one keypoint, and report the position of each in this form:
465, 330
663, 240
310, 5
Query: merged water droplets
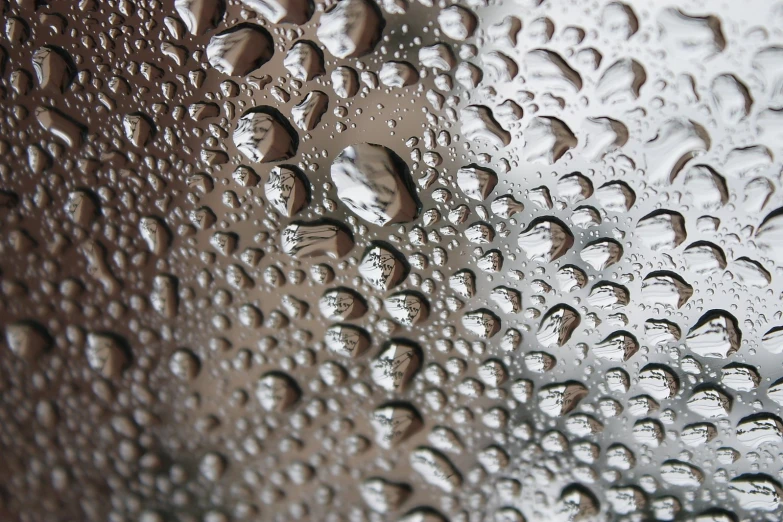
457, 22
383, 267
27, 339
479, 124
545, 240
716, 334
375, 183
313, 239
282, 11
557, 326
351, 28
263, 135
240, 50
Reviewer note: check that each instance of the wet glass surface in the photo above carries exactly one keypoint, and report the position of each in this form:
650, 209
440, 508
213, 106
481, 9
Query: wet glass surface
494, 261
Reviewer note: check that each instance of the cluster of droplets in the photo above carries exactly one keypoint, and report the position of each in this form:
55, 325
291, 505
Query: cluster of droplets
522, 269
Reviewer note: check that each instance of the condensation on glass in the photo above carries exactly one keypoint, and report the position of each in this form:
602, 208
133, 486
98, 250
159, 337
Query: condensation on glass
281, 260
